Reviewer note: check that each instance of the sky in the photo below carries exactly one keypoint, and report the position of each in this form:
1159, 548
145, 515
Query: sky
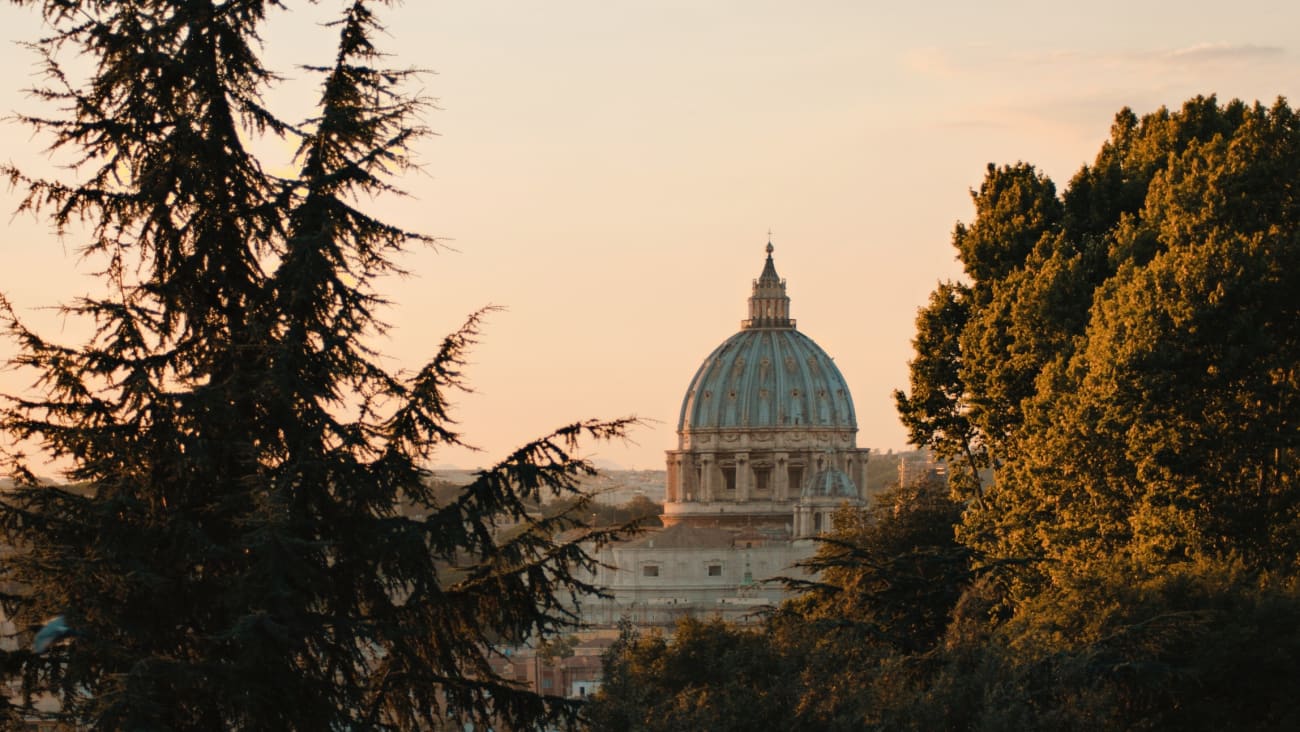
607, 171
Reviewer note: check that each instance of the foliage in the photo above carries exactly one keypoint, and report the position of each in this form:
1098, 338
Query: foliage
553, 649
1127, 355
713, 675
1129, 367
894, 567
235, 556
1206, 646
828, 659
936, 413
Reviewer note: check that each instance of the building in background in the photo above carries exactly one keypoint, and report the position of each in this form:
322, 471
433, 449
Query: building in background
920, 465
766, 453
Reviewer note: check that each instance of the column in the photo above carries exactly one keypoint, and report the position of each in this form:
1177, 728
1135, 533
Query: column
744, 477
672, 481
707, 479
690, 489
781, 477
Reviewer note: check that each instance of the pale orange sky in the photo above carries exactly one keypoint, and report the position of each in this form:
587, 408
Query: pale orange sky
607, 170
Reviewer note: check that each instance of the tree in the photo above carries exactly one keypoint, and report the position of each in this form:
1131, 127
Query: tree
965, 392
1168, 434
843, 655
895, 566
1203, 646
888, 580
1015, 207
937, 413
1083, 357
232, 555
1134, 375
713, 675
637, 511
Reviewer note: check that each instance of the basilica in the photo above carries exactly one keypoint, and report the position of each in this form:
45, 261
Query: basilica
766, 452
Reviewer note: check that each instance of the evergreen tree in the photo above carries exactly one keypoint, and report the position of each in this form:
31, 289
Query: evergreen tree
249, 541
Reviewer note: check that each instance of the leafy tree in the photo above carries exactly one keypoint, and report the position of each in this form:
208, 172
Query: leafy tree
937, 412
888, 579
628, 690
559, 647
1084, 359
1205, 646
1132, 372
895, 566
713, 675
234, 555
965, 392
840, 656
1015, 207
1169, 433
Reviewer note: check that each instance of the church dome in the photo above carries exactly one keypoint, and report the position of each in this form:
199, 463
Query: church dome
767, 375
767, 436
830, 483
767, 378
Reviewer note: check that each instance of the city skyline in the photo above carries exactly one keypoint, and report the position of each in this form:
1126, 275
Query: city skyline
608, 172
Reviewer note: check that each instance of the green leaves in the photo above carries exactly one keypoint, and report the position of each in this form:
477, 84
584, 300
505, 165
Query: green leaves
1015, 206
1124, 357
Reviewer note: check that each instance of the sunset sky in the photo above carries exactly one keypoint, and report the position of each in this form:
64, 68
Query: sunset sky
607, 171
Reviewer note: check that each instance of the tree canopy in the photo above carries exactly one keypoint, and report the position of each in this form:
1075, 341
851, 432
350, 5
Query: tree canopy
1124, 353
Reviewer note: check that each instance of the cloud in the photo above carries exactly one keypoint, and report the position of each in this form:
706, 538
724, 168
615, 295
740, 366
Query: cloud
1069, 96
1212, 52
969, 61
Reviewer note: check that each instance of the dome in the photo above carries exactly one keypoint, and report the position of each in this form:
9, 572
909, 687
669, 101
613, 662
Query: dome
767, 435
830, 483
767, 377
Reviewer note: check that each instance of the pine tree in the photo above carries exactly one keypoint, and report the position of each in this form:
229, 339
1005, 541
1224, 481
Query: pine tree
247, 539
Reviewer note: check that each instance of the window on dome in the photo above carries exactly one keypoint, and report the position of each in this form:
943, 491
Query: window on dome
762, 480
817, 522
729, 477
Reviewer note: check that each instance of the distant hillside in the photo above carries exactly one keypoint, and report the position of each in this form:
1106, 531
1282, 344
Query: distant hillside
616, 487
610, 486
